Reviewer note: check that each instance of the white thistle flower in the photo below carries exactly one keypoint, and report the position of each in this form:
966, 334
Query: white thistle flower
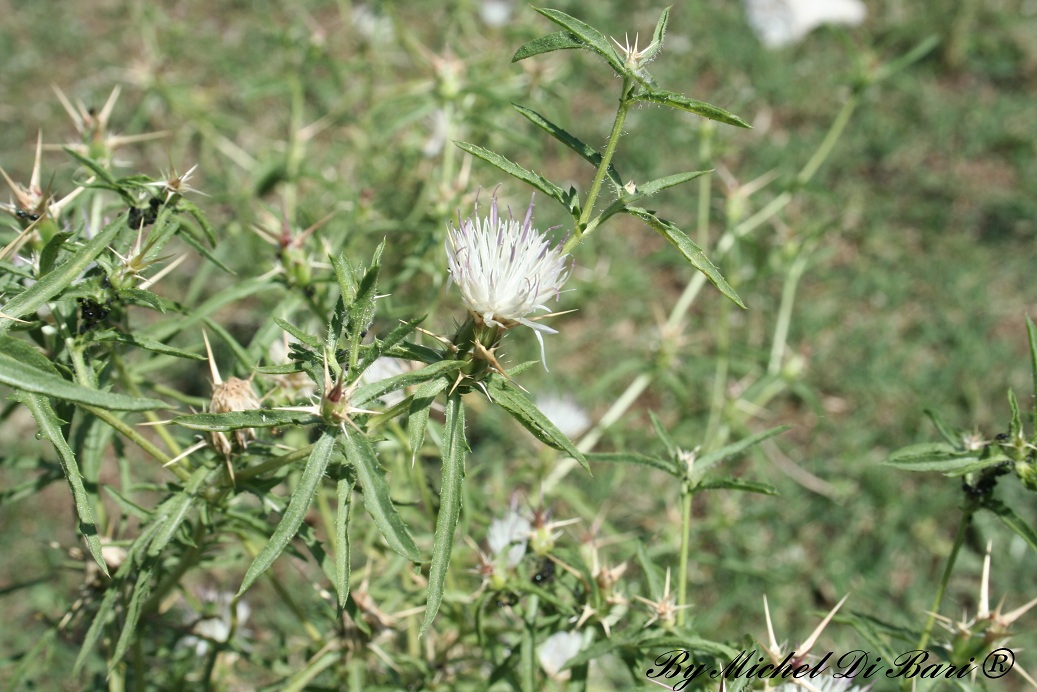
505, 269
509, 534
556, 651
780, 23
567, 415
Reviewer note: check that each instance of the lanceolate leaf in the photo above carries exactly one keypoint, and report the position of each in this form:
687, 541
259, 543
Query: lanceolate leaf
417, 417
692, 252
342, 516
513, 169
707, 461
561, 40
14, 374
236, 420
737, 484
508, 397
408, 379
50, 426
932, 456
172, 512
592, 38
450, 493
681, 102
146, 344
61, 277
1013, 521
295, 512
141, 591
634, 459
584, 150
377, 501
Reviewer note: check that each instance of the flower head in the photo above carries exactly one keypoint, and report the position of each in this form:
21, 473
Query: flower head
505, 269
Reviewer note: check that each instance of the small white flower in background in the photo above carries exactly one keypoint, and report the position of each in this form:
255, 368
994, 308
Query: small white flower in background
382, 369
505, 270
216, 628
565, 413
780, 23
556, 651
509, 534
495, 12
372, 25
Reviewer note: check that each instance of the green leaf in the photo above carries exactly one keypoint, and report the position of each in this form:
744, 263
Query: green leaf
62, 277
1013, 521
660, 432
941, 427
49, 254
649, 188
736, 484
374, 390
562, 40
342, 515
161, 331
417, 416
300, 336
931, 456
584, 150
14, 374
205, 252
450, 494
508, 396
377, 501
658, 36
593, 39
1031, 335
141, 591
653, 574
398, 334
295, 512
172, 512
50, 426
236, 420
513, 169
1015, 427
690, 250
26, 354
708, 461
634, 459
145, 343
681, 102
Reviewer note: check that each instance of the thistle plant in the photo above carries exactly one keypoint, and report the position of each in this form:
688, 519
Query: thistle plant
286, 394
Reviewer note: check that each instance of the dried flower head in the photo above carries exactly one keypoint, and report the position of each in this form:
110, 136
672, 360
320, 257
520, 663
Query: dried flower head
227, 396
505, 269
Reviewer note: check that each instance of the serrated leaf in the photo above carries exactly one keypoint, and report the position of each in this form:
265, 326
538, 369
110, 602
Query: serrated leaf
450, 494
736, 484
173, 511
942, 428
681, 102
593, 39
294, 514
1013, 521
141, 591
708, 461
931, 456
664, 437
146, 344
634, 459
374, 390
508, 396
584, 150
14, 374
342, 517
26, 354
377, 501
562, 40
646, 190
61, 277
300, 336
692, 252
417, 416
50, 426
398, 334
236, 420
516, 171
1031, 335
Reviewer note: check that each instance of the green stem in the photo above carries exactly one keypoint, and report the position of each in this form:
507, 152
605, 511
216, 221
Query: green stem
788, 300
959, 540
275, 463
682, 583
599, 176
718, 399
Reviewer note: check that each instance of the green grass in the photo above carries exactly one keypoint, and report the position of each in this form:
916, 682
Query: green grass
915, 296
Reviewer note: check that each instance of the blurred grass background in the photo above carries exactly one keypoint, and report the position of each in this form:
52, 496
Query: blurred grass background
914, 298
